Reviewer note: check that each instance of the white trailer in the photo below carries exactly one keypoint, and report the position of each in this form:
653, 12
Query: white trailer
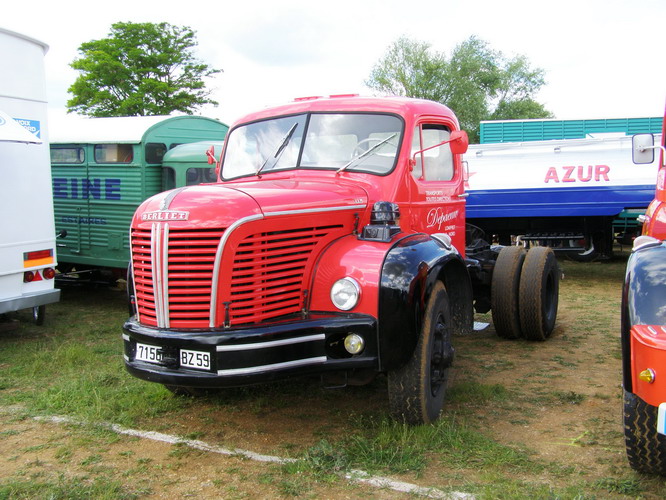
27, 238
575, 195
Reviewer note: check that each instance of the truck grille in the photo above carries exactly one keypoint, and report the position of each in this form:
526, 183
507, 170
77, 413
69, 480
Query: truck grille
188, 280
269, 272
265, 278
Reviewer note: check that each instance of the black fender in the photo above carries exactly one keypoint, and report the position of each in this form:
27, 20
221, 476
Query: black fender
410, 270
643, 297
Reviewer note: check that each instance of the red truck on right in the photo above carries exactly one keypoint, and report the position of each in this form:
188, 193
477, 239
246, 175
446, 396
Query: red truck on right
643, 325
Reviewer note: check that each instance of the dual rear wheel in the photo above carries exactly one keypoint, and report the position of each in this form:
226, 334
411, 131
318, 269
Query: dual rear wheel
524, 293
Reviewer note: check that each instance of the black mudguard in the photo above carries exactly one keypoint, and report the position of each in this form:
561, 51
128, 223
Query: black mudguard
409, 272
643, 298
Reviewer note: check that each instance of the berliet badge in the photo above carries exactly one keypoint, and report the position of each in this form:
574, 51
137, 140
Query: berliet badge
165, 215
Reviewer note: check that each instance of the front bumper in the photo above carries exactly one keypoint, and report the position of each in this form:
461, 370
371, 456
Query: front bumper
245, 356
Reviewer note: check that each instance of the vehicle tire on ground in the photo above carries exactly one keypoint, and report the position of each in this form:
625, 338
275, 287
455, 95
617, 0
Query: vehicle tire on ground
504, 291
588, 254
38, 315
416, 390
538, 293
646, 448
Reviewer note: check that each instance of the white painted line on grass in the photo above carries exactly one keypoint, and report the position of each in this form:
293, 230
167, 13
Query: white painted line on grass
356, 476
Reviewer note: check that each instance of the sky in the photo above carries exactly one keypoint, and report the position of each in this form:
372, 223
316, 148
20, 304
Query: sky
602, 59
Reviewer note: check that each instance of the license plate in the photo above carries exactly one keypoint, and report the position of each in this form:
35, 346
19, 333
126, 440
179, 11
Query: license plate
148, 353
198, 360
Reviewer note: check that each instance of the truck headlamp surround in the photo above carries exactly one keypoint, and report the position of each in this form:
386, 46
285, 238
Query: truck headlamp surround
345, 293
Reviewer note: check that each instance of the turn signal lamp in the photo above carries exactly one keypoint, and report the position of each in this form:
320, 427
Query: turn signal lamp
648, 375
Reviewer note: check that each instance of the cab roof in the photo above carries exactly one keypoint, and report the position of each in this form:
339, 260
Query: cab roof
403, 106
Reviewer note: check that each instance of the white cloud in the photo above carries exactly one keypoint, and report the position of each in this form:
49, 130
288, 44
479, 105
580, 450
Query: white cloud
602, 58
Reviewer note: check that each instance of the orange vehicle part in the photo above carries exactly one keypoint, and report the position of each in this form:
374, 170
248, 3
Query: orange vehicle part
648, 361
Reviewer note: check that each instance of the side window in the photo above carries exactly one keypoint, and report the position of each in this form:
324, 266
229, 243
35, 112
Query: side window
168, 178
435, 164
114, 153
71, 155
200, 175
155, 152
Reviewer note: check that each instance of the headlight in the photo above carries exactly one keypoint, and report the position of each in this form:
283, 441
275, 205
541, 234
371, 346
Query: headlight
345, 293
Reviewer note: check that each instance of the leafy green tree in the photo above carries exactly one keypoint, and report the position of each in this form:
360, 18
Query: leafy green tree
140, 69
477, 82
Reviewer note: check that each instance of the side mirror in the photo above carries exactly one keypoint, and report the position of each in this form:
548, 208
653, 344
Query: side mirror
210, 153
459, 142
642, 149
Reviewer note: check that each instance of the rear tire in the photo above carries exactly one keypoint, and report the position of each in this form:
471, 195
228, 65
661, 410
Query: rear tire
38, 315
416, 390
646, 448
504, 292
538, 294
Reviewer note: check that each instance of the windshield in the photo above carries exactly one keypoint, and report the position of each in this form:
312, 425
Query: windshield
345, 141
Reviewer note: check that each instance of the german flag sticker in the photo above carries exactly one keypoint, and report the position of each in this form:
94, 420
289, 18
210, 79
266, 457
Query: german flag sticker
38, 258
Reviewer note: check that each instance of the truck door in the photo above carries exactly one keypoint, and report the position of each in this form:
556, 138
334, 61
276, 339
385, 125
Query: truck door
436, 184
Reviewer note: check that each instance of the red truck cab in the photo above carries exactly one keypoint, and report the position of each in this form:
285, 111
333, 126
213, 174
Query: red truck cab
333, 244
643, 330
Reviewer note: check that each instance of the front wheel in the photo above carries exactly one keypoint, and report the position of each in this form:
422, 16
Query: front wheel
416, 390
646, 448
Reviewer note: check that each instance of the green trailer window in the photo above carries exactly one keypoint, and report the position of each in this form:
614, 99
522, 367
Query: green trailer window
155, 152
67, 155
168, 178
200, 175
114, 153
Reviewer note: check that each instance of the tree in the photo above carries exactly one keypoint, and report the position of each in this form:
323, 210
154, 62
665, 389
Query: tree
140, 69
477, 82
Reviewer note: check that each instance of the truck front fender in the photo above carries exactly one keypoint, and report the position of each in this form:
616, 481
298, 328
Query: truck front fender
643, 304
409, 272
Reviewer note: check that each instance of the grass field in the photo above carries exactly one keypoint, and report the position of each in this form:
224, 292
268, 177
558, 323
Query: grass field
523, 419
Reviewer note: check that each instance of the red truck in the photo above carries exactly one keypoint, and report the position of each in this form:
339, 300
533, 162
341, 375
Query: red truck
334, 244
643, 329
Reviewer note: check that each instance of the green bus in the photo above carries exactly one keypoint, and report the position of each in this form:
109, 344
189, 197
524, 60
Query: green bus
103, 168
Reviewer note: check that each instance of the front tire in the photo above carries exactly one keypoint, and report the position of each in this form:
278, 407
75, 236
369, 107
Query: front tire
416, 390
646, 448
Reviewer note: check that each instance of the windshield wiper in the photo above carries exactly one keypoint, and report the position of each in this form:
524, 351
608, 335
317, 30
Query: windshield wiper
280, 148
363, 155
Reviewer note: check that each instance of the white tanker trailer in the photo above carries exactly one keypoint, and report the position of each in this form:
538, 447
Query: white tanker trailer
574, 195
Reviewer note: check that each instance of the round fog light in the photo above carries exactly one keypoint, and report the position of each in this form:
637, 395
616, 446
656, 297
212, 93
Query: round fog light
354, 344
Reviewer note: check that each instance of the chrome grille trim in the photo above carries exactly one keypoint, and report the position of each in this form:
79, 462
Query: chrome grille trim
159, 236
272, 343
218, 261
239, 222
275, 366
